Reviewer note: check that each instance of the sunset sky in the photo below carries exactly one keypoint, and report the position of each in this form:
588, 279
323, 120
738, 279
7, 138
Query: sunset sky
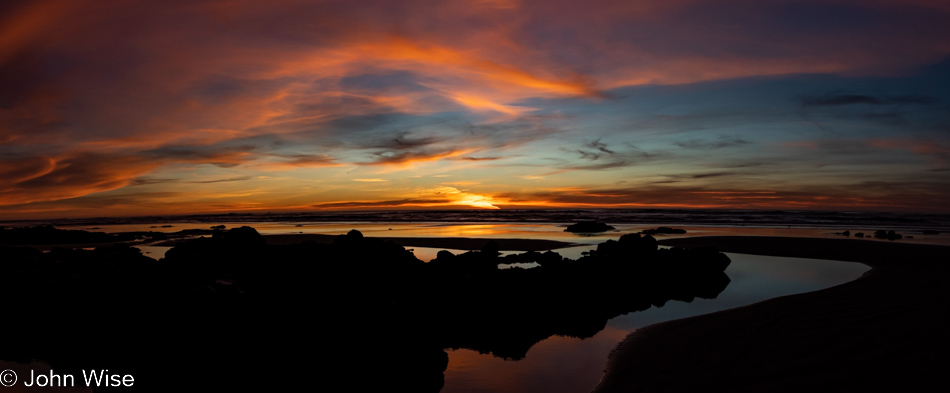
114, 108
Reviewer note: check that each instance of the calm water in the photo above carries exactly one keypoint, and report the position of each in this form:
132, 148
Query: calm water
550, 231
678, 217
564, 364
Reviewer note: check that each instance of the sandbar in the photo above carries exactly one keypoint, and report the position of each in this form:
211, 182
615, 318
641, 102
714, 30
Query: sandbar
886, 331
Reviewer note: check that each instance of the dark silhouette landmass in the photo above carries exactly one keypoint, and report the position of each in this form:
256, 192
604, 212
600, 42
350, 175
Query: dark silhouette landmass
47, 234
462, 243
231, 311
883, 332
889, 235
588, 227
664, 231
505, 312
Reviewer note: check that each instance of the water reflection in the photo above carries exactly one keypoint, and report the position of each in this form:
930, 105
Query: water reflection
563, 364
548, 231
567, 364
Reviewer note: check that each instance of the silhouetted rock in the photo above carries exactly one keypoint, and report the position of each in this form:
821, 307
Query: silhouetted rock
889, 235
228, 303
634, 243
859, 234
664, 231
244, 236
490, 249
588, 227
47, 234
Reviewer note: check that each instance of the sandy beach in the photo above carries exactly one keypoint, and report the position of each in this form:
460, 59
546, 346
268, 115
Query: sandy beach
883, 332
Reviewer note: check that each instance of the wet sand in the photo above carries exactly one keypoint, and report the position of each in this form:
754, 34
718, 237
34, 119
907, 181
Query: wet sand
886, 331
455, 243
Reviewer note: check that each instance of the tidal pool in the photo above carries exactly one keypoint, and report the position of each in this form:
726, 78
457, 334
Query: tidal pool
572, 365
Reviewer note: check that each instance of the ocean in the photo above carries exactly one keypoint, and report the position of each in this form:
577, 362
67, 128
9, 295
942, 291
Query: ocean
705, 217
567, 364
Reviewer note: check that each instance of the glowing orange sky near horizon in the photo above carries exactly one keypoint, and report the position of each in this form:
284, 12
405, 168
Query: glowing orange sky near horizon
110, 108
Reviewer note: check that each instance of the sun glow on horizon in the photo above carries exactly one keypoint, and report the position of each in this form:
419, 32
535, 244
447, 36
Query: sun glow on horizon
485, 105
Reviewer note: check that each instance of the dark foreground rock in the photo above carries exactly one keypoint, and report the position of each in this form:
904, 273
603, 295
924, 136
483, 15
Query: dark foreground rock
664, 231
588, 227
889, 235
883, 332
231, 312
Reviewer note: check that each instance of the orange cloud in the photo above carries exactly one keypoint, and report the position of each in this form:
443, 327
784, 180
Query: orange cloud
940, 152
107, 100
408, 158
441, 197
894, 196
38, 179
29, 23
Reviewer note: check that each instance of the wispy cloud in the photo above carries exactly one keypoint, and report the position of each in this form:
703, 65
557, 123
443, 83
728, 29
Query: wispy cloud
472, 158
37, 179
705, 175
92, 104
227, 180
437, 197
407, 158
595, 155
705, 144
294, 161
852, 99
898, 195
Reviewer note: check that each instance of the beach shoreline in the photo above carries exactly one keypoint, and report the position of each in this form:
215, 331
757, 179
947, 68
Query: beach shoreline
882, 331
905, 278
